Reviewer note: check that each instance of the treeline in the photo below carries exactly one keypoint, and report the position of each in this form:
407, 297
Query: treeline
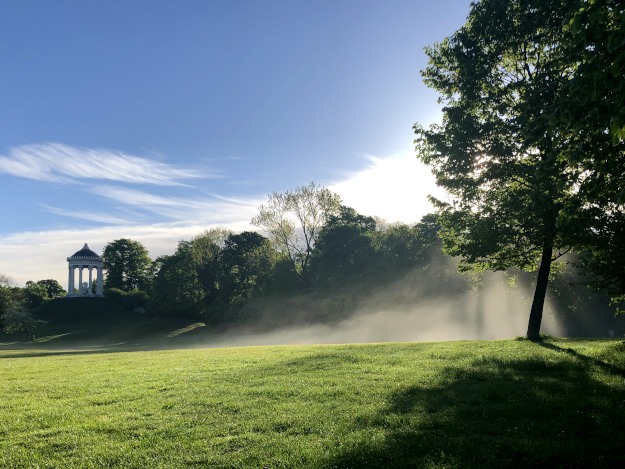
314, 251
317, 261
17, 303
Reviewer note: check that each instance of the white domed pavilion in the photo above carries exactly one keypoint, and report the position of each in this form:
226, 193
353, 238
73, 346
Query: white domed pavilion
81, 260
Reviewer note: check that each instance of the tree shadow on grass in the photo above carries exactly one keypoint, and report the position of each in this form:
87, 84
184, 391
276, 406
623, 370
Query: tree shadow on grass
552, 411
616, 353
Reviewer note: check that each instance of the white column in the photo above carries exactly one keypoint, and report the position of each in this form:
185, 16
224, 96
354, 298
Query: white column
90, 280
70, 280
100, 286
80, 280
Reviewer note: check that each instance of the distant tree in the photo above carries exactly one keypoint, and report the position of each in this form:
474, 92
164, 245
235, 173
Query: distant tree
6, 281
15, 315
177, 290
284, 280
53, 288
206, 248
293, 219
604, 259
246, 266
401, 247
212, 237
344, 253
18, 318
127, 265
34, 294
10, 296
502, 151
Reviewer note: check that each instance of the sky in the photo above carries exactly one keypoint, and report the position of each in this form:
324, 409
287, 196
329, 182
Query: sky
155, 120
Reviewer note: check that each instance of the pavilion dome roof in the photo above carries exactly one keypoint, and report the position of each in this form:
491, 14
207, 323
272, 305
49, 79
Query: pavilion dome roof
85, 252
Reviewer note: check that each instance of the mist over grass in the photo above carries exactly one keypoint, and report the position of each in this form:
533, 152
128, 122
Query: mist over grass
433, 303
403, 311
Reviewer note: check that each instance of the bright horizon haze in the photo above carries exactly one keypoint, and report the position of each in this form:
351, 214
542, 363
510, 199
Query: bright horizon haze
157, 120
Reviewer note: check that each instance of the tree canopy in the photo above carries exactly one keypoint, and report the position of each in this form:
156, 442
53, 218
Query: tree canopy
127, 264
292, 220
504, 149
593, 122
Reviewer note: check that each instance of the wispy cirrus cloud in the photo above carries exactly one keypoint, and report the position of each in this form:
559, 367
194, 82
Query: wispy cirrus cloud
211, 210
59, 162
90, 216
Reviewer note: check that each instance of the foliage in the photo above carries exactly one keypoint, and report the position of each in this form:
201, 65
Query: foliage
403, 248
135, 300
36, 293
177, 289
53, 288
206, 249
293, 219
117, 295
604, 258
127, 265
10, 296
503, 152
185, 283
16, 304
18, 318
6, 281
245, 267
593, 122
459, 404
352, 250
344, 252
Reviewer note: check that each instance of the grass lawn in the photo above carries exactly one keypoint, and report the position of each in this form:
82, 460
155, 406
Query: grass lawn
457, 404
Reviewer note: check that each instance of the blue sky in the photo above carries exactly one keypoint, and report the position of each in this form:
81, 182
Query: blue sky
154, 120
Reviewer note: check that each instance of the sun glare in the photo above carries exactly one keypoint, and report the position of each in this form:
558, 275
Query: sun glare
394, 187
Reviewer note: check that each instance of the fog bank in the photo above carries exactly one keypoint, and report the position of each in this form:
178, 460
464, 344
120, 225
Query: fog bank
494, 311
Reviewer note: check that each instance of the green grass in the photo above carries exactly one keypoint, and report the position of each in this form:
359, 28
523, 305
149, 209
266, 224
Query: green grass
459, 404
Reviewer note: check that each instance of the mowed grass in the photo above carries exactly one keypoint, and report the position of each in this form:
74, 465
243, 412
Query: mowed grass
458, 404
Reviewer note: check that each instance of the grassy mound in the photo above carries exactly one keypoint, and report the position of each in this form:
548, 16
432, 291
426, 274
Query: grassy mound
82, 310
81, 323
511, 403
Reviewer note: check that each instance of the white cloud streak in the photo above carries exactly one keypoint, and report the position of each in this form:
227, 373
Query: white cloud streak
105, 218
64, 163
216, 210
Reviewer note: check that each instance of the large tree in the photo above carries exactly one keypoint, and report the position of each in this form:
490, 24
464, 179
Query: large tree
500, 151
127, 263
293, 219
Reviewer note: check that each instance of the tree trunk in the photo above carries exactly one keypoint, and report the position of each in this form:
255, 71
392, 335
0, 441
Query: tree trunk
536, 314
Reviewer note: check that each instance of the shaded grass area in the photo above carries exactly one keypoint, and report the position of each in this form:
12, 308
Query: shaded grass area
84, 325
558, 403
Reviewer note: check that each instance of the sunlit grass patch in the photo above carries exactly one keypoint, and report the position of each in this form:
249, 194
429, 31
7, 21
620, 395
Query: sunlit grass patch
184, 330
455, 404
